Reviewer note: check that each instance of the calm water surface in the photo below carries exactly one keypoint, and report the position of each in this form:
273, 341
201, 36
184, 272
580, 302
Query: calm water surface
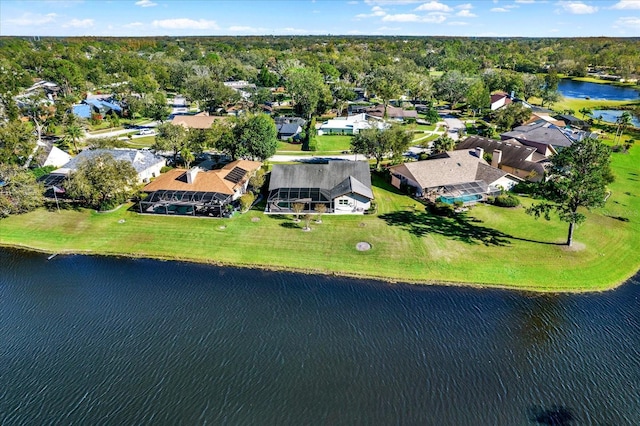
582, 90
91, 340
612, 115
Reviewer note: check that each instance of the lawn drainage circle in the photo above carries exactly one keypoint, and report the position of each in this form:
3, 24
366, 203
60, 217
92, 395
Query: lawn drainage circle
255, 219
363, 246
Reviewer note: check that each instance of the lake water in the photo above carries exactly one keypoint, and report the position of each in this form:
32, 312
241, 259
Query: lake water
93, 340
580, 89
611, 115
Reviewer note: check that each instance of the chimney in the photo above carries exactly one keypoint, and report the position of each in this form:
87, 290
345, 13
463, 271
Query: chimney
496, 159
513, 94
479, 152
191, 174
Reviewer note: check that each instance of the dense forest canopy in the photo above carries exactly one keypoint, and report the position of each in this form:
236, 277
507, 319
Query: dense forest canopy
78, 64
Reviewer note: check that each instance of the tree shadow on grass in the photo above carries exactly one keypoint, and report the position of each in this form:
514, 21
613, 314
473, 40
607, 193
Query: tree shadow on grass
290, 225
459, 228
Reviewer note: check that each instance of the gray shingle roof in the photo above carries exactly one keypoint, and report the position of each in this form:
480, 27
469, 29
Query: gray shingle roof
547, 133
141, 160
339, 177
514, 154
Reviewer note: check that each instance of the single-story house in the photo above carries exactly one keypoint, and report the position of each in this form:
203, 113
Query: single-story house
146, 163
547, 138
455, 175
499, 100
572, 121
50, 155
197, 192
508, 155
289, 127
393, 113
96, 106
344, 187
351, 125
198, 121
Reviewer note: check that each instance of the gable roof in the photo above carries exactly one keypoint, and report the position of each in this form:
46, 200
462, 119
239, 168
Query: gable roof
514, 154
449, 168
338, 177
288, 128
392, 112
141, 160
544, 132
206, 181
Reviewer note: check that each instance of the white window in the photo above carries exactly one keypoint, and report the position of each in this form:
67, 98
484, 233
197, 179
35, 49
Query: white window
343, 202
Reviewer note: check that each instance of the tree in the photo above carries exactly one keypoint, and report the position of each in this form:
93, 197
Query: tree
452, 87
267, 78
306, 88
585, 111
443, 144
170, 137
102, 182
297, 209
623, 122
187, 156
307, 221
512, 115
210, 93
72, 134
19, 190
532, 86
386, 83
578, 177
478, 96
379, 143
419, 86
320, 209
257, 180
17, 142
252, 136
156, 108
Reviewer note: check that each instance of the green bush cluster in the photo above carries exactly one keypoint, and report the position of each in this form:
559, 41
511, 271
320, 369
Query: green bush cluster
506, 200
441, 209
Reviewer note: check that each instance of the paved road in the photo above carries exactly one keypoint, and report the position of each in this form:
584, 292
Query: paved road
113, 133
453, 124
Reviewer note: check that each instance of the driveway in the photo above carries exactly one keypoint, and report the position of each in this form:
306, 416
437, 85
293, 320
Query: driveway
454, 124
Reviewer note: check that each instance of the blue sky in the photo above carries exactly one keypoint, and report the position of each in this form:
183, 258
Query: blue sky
526, 18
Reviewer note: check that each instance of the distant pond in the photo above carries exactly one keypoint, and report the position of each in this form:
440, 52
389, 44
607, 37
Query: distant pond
611, 115
584, 90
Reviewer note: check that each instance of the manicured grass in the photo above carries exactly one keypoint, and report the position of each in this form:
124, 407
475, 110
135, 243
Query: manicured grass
143, 142
489, 246
333, 143
285, 146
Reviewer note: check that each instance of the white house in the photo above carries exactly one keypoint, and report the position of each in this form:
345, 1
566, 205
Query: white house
350, 125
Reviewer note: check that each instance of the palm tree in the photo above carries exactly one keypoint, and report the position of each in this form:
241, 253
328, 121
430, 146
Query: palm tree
320, 210
72, 134
585, 111
623, 122
443, 144
297, 209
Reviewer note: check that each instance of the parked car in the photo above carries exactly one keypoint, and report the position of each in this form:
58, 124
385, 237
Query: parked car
146, 132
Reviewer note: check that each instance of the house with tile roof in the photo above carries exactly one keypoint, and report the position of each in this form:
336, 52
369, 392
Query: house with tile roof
393, 113
546, 137
509, 155
198, 121
197, 192
344, 187
454, 175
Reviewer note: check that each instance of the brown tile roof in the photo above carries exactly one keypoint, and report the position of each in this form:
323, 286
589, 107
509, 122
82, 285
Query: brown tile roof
205, 181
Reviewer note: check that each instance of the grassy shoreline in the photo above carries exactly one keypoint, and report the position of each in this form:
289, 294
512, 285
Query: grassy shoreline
488, 247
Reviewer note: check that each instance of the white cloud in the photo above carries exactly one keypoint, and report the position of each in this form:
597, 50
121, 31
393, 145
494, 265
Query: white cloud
434, 6
578, 8
466, 6
28, 19
146, 3
525, 1
375, 11
464, 13
402, 17
412, 17
185, 24
629, 21
499, 9
79, 23
627, 4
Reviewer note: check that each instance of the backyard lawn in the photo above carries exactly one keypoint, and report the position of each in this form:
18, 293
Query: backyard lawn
333, 143
487, 246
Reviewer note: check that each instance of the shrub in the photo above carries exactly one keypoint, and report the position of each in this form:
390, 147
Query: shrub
441, 209
457, 204
506, 200
165, 169
246, 201
525, 188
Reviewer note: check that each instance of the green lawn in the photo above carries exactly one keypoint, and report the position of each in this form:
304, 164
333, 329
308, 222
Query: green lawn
333, 143
143, 142
489, 246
